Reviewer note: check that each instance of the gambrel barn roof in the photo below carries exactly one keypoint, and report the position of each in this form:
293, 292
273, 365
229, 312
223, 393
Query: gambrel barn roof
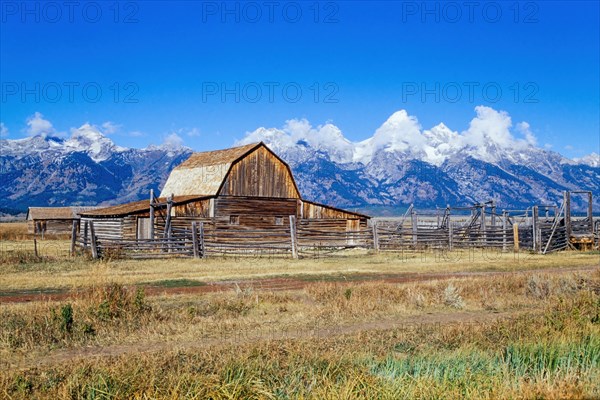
210, 173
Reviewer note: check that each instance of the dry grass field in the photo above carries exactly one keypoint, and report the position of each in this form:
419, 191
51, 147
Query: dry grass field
425, 325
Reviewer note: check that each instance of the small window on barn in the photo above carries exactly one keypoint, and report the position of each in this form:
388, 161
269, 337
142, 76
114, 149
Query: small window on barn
234, 220
278, 220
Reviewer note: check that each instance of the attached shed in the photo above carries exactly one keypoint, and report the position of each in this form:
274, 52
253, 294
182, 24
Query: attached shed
56, 220
132, 220
247, 186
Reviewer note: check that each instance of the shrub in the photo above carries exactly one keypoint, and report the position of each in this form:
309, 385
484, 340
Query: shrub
66, 322
452, 297
537, 287
348, 293
115, 301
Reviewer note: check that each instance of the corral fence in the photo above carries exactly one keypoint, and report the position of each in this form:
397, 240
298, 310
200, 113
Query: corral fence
179, 242
212, 238
515, 229
541, 229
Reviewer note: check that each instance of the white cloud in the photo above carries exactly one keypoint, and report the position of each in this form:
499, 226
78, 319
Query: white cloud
194, 132
569, 147
108, 127
37, 125
489, 137
489, 126
530, 138
3, 130
593, 160
136, 134
173, 141
327, 138
547, 146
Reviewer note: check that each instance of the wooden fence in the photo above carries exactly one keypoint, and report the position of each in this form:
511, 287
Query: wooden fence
327, 236
181, 243
307, 238
479, 226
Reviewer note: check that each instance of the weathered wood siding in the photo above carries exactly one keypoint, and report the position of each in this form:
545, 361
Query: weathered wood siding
113, 228
255, 212
59, 226
200, 208
130, 227
333, 224
105, 228
260, 174
317, 211
225, 206
334, 232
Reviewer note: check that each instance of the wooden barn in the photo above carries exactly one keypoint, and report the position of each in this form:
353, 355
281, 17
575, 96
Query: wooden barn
55, 220
247, 187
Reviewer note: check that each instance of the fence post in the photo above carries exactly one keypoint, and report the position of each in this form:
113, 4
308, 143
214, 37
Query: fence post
450, 244
167, 232
504, 223
482, 226
195, 240
293, 236
151, 233
93, 239
85, 234
516, 237
35, 252
590, 215
201, 247
73, 237
534, 228
567, 203
413, 223
375, 237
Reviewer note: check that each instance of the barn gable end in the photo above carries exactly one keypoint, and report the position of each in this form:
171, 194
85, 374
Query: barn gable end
203, 173
260, 173
251, 171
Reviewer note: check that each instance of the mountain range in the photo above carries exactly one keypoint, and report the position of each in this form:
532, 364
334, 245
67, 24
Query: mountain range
85, 169
402, 163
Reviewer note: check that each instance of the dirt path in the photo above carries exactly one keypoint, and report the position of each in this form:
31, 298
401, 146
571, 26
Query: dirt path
407, 325
281, 284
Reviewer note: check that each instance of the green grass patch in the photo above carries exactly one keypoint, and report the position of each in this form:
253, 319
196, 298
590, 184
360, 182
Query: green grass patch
174, 283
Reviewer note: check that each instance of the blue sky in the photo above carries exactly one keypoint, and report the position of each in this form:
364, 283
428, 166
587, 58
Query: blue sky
211, 71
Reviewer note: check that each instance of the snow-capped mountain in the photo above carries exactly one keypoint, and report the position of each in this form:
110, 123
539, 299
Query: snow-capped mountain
593, 160
85, 169
401, 163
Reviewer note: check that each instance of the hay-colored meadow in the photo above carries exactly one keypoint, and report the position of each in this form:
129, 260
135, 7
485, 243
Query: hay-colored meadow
466, 324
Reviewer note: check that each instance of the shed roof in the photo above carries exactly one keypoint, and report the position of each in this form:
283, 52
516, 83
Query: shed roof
137, 207
48, 213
